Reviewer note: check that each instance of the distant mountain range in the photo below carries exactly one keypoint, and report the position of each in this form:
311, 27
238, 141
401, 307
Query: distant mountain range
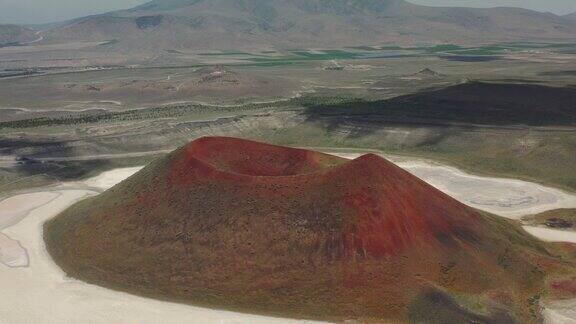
234, 24
13, 34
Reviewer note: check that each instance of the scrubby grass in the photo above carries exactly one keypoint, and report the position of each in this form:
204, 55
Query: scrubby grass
177, 111
12, 180
181, 112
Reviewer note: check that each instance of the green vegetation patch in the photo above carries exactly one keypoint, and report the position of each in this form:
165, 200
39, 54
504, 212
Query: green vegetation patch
175, 111
327, 55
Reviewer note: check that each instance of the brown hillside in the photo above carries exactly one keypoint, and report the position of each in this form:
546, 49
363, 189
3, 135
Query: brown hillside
254, 24
253, 227
13, 35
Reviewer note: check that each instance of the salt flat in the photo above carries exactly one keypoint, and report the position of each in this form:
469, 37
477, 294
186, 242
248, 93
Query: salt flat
551, 235
560, 312
13, 209
12, 254
108, 179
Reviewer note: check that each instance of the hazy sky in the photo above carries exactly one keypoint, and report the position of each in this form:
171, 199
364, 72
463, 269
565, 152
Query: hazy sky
556, 6
41, 11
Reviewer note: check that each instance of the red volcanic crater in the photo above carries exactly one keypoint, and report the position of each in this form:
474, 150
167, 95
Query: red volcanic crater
385, 208
254, 227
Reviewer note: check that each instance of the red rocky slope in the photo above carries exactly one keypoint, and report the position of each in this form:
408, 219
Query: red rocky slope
254, 227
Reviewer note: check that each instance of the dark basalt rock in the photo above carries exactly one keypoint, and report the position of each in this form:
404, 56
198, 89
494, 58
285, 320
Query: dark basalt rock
558, 223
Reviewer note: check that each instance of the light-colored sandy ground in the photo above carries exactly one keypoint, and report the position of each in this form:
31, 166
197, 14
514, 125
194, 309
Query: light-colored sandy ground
560, 312
12, 254
41, 293
13, 209
505, 197
109, 179
7, 161
551, 235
